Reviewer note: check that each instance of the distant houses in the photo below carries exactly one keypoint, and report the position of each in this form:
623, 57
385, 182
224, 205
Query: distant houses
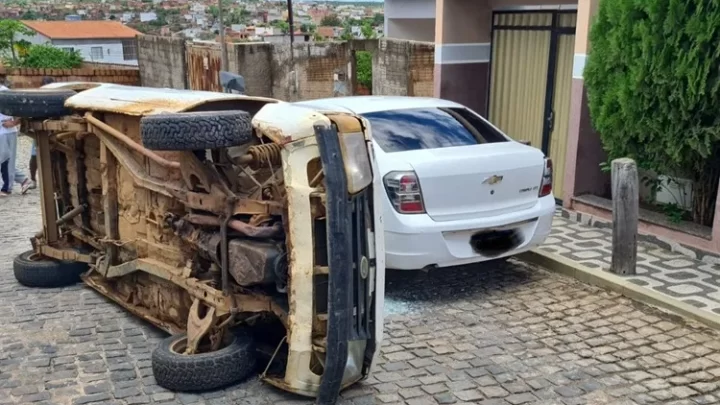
97, 41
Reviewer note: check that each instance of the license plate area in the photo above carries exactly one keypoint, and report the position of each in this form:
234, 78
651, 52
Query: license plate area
495, 242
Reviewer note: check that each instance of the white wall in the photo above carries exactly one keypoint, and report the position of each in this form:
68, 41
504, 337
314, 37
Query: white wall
409, 8
37, 39
411, 29
112, 50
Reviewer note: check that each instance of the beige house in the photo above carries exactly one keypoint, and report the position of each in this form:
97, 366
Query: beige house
521, 63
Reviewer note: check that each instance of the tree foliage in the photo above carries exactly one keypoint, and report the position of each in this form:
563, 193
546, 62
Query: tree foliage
367, 30
379, 19
9, 30
49, 57
653, 84
331, 20
347, 34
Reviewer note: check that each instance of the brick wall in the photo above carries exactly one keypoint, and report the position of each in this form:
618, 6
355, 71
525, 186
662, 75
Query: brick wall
162, 62
301, 72
254, 61
316, 70
422, 69
391, 67
32, 78
403, 68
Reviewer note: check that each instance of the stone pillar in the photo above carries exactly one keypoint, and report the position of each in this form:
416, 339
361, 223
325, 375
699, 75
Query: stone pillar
462, 52
584, 149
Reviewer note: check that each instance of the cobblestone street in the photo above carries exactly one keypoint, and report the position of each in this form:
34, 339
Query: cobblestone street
496, 335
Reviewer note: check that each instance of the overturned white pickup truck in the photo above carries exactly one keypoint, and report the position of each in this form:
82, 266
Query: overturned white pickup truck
247, 228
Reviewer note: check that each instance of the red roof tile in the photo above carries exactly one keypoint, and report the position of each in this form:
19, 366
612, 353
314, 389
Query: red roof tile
82, 29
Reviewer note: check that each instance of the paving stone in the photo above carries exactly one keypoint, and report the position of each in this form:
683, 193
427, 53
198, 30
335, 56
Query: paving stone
518, 399
500, 334
469, 395
494, 391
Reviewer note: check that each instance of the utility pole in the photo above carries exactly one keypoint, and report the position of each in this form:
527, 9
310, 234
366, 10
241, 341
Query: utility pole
223, 45
290, 22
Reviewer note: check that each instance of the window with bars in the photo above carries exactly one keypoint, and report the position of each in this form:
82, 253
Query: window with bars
129, 49
96, 53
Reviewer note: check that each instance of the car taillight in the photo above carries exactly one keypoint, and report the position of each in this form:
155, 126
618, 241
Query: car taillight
403, 189
546, 183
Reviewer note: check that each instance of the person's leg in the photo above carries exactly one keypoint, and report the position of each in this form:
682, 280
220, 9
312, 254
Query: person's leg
12, 144
33, 166
4, 170
16, 175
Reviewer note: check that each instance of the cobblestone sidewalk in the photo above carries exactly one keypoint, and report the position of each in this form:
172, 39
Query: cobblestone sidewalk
507, 334
692, 281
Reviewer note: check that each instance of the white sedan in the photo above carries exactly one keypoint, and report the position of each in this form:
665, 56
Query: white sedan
458, 190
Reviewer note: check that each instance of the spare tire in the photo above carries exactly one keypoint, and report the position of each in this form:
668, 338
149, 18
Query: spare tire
35, 103
196, 130
176, 371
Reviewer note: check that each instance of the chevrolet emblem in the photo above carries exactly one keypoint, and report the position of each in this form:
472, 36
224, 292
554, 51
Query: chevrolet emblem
492, 180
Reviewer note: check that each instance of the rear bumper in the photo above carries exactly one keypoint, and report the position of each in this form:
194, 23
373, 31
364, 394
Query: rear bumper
421, 242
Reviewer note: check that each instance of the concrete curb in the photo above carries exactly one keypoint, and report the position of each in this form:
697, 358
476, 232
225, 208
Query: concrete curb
609, 281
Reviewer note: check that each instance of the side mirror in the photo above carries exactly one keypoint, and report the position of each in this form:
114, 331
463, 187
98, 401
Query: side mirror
232, 83
525, 142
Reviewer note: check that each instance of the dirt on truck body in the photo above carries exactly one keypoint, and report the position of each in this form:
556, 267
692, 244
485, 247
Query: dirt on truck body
243, 226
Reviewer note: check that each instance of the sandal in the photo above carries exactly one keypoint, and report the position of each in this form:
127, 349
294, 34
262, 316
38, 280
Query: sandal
25, 186
4, 194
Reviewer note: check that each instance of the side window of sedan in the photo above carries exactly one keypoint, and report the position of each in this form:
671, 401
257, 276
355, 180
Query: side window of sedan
482, 127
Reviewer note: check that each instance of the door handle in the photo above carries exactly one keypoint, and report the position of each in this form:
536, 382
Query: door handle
551, 121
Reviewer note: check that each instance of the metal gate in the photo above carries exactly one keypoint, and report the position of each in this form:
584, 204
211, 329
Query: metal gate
203, 67
530, 80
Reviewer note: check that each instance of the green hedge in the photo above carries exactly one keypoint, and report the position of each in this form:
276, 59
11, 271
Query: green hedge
653, 81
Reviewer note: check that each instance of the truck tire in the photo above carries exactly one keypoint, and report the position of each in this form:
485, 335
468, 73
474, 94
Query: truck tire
205, 371
35, 103
196, 130
46, 273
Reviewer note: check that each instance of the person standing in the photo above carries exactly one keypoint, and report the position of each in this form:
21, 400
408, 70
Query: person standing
4, 158
33, 166
33, 152
9, 128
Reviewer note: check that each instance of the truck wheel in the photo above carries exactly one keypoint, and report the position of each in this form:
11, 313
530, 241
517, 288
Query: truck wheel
196, 130
205, 371
32, 270
35, 103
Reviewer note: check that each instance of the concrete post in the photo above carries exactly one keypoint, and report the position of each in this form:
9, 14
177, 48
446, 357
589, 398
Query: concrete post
626, 207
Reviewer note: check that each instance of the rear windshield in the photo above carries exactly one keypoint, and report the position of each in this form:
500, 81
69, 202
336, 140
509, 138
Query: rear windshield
429, 128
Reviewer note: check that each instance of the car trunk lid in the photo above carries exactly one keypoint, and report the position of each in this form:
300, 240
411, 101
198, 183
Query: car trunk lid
477, 181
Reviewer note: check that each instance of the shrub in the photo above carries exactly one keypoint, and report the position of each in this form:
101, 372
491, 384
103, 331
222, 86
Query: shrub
47, 56
653, 81
363, 60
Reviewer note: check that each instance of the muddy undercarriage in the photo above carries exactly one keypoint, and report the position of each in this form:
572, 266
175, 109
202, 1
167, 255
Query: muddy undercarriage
203, 236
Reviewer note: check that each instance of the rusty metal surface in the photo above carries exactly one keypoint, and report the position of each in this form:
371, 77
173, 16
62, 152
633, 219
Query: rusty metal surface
129, 142
257, 263
55, 125
65, 254
260, 232
284, 122
203, 67
77, 86
155, 219
138, 101
198, 326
